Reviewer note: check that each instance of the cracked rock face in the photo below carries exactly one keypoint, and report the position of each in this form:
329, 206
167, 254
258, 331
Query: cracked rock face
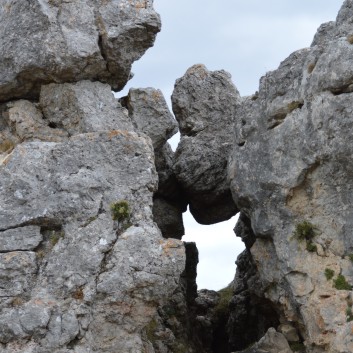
204, 103
44, 41
81, 279
84, 267
290, 166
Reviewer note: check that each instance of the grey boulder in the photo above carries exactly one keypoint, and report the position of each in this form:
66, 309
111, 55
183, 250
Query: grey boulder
44, 41
205, 103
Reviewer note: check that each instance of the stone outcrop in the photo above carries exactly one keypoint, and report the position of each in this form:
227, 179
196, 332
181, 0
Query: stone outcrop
79, 260
44, 41
290, 172
150, 114
84, 267
205, 103
91, 194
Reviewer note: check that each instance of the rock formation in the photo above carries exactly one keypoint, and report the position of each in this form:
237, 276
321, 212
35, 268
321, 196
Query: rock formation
204, 103
83, 266
44, 41
91, 194
290, 172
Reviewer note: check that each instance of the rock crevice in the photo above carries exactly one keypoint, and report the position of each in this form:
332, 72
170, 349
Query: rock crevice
92, 196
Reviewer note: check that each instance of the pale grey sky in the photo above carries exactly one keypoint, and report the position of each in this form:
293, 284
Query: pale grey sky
247, 39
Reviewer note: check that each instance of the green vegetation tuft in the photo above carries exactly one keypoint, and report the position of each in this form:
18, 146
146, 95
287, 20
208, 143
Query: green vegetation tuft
311, 247
89, 221
349, 314
40, 254
297, 346
305, 231
151, 330
120, 210
311, 67
329, 273
222, 307
350, 256
294, 105
341, 283
55, 236
179, 347
350, 39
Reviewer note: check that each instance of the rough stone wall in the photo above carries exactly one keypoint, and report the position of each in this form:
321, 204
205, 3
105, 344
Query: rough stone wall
291, 175
44, 41
91, 194
83, 266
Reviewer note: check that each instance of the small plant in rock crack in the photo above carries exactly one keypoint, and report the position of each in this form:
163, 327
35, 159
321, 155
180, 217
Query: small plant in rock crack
311, 247
120, 211
329, 273
341, 283
222, 308
55, 236
297, 346
305, 231
349, 313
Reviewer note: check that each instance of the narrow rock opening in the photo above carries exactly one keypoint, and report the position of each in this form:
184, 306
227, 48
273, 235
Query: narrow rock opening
217, 247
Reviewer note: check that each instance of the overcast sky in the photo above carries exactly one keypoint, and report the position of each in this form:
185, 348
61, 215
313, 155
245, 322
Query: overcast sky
244, 37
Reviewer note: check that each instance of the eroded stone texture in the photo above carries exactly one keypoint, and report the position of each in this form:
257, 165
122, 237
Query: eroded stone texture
83, 107
204, 103
24, 238
291, 163
93, 283
169, 201
272, 342
169, 218
150, 114
251, 315
45, 41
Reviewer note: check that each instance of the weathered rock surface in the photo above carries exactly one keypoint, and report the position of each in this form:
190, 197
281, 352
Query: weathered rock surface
86, 262
44, 41
83, 107
84, 266
150, 114
251, 314
205, 103
169, 218
291, 168
272, 342
24, 238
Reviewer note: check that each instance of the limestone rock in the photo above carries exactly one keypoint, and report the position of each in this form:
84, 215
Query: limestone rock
17, 273
23, 121
291, 168
24, 238
169, 218
150, 114
250, 314
272, 342
204, 103
169, 201
44, 41
86, 262
83, 107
